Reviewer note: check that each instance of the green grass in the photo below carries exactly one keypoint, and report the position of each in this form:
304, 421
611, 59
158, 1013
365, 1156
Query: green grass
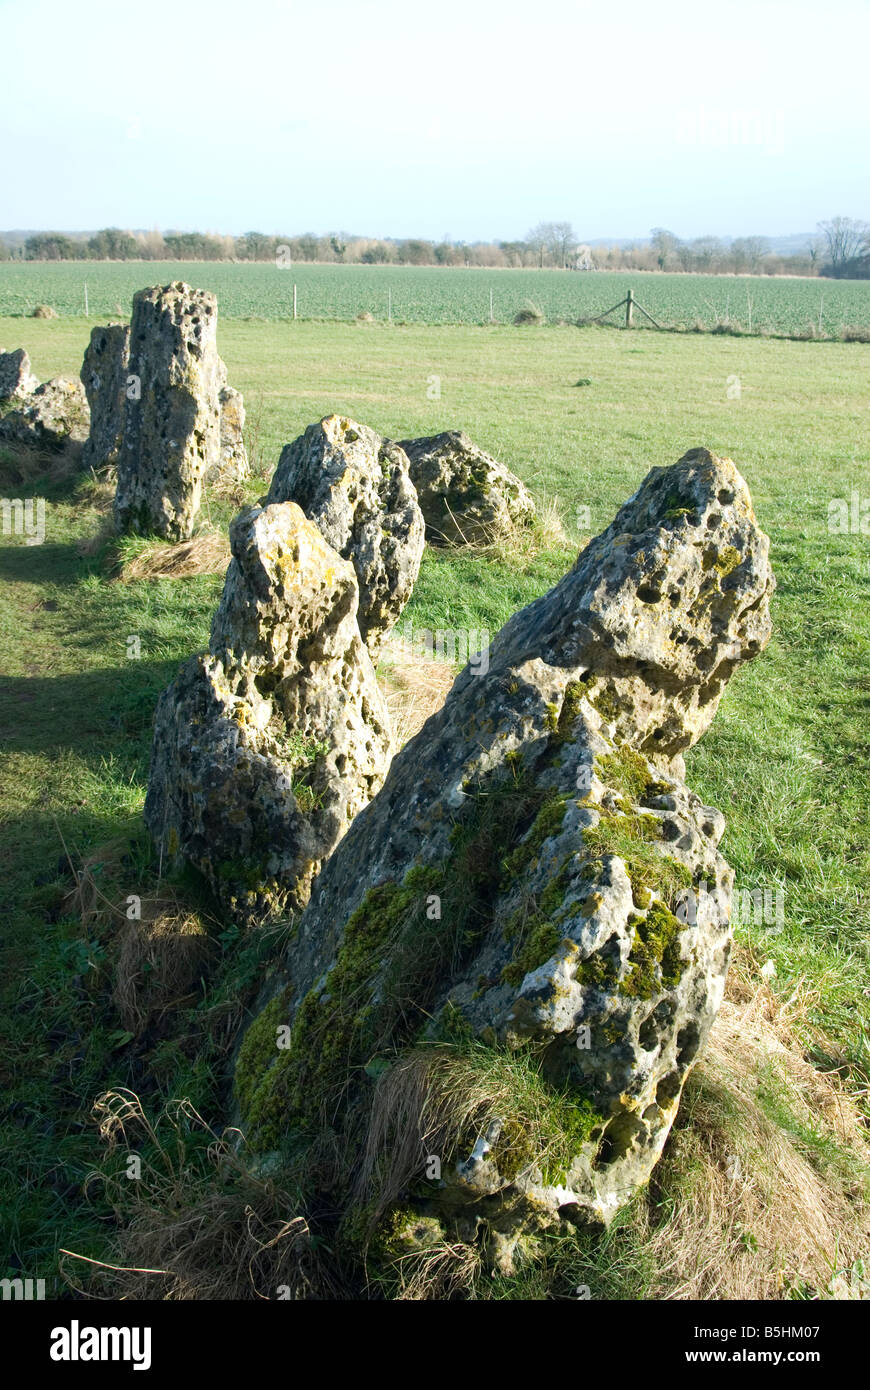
786, 758
432, 295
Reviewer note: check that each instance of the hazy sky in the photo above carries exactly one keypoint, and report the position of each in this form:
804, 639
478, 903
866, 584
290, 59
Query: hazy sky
469, 118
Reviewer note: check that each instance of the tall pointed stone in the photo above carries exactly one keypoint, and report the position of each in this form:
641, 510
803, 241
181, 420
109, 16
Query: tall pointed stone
266, 747
172, 411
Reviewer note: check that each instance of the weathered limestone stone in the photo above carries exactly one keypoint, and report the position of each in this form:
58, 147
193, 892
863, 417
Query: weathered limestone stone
54, 416
355, 486
172, 415
17, 382
266, 747
467, 496
582, 904
232, 466
104, 376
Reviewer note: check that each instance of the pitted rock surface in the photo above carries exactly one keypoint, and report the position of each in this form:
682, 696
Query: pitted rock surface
550, 788
467, 496
52, 417
232, 466
104, 376
266, 747
17, 381
172, 412
355, 486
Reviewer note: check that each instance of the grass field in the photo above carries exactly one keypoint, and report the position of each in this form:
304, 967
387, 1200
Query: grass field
786, 758
432, 295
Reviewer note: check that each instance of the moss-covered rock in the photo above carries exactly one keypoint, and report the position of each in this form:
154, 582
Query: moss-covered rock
512, 959
262, 755
467, 497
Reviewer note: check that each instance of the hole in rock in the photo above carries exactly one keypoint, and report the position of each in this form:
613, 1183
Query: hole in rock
618, 1139
668, 1088
688, 1042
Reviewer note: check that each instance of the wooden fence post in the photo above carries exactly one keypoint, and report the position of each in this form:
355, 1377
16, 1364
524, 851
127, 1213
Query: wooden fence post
629, 302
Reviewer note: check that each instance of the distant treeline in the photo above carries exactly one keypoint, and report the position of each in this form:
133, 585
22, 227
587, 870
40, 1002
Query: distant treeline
841, 249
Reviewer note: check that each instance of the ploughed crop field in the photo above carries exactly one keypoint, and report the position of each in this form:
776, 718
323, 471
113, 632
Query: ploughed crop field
762, 1190
450, 295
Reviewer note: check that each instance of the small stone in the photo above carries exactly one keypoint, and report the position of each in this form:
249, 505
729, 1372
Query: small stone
355, 486
54, 416
467, 496
233, 466
17, 382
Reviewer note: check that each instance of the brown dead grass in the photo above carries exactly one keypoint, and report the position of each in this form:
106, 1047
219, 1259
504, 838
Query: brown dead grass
207, 554
514, 542
415, 686
94, 897
756, 1211
159, 960
238, 1238
21, 466
156, 957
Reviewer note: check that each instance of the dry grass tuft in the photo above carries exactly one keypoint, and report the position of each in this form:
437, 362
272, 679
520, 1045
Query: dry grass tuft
157, 957
763, 1174
442, 1272
154, 559
415, 686
516, 542
531, 315
21, 465
197, 1225
160, 958
93, 897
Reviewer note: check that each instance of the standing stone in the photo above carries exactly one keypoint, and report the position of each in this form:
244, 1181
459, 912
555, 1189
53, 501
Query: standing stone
53, 416
582, 903
172, 415
104, 376
17, 381
266, 747
467, 496
232, 466
355, 486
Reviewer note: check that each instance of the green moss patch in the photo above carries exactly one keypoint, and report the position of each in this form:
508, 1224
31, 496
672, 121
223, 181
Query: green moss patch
625, 770
655, 963
635, 839
396, 955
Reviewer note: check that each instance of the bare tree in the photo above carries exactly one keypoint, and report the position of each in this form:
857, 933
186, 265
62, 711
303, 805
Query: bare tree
747, 252
664, 244
557, 239
537, 241
561, 242
846, 240
706, 251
